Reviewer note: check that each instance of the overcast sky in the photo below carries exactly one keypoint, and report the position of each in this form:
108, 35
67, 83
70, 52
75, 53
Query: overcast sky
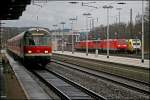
54, 12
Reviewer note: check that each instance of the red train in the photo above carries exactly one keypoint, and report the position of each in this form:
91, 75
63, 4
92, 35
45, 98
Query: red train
114, 45
32, 46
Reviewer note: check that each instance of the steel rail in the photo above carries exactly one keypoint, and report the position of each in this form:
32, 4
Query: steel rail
103, 64
56, 90
136, 88
82, 88
63, 95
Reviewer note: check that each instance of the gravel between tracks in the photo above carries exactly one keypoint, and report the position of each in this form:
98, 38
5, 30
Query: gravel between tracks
102, 87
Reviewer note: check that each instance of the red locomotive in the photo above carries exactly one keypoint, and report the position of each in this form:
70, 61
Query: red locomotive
32, 46
114, 45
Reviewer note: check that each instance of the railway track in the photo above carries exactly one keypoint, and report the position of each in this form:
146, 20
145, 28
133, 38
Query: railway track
65, 88
135, 85
123, 70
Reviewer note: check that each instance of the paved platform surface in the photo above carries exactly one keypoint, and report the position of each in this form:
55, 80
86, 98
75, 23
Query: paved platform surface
115, 59
2, 81
31, 88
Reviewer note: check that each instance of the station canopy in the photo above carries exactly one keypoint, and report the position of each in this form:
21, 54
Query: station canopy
12, 9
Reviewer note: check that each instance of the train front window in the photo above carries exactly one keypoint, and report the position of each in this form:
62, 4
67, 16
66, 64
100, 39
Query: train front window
136, 43
37, 40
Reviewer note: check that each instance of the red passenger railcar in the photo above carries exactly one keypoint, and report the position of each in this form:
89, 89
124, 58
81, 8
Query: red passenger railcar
32, 46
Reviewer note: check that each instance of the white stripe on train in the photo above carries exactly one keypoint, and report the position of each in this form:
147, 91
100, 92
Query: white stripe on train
39, 54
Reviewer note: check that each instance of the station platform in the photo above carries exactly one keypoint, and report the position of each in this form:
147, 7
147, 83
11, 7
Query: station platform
31, 88
2, 81
113, 59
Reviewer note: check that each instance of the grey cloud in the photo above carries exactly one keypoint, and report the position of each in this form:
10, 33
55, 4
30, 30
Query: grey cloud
56, 11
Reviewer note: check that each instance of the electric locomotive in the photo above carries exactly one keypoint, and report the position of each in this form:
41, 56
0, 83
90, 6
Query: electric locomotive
125, 45
114, 45
32, 46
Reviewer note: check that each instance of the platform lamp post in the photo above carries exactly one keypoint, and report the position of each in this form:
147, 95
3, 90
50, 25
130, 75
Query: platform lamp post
107, 7
91, 22
119, 13
72, 19
119, 9
119, 32
142, 60
63, 23
55, 26
86, 14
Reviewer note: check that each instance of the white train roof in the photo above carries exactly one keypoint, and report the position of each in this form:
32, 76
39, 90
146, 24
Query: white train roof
38, 29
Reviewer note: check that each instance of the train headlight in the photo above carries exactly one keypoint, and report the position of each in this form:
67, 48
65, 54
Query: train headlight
125, 45
29, 51
46, 51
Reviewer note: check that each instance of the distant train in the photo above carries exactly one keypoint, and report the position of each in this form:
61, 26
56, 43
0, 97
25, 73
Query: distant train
31, 46
134, 45
114, 45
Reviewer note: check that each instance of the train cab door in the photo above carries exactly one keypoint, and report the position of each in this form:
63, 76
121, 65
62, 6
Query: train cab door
21, 45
